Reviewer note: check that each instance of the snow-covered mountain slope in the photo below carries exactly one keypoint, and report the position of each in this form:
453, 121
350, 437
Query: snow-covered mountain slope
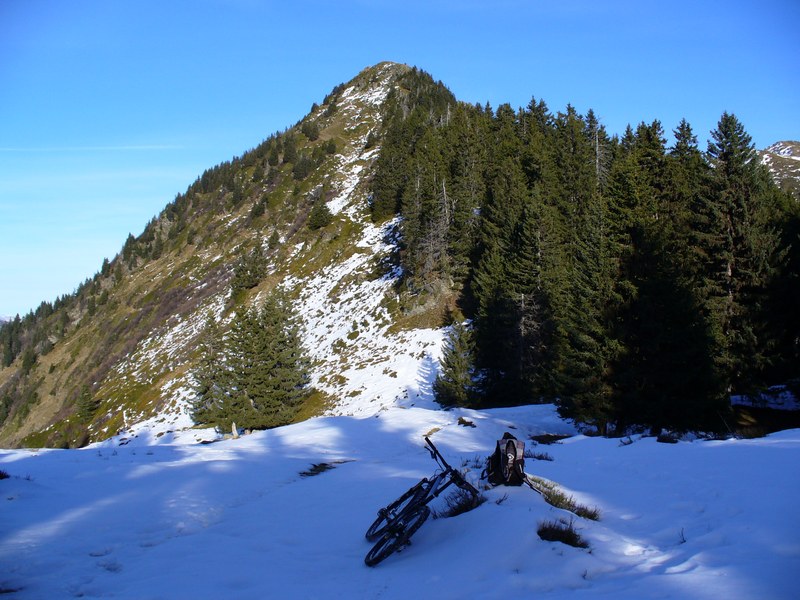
783, 161
340, 300
252, 517
137, 353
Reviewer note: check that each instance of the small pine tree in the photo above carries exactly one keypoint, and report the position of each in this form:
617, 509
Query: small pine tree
311, 130
249, 271
303, 167
289, 150
87, 405
453, 385
28, 360
320, 215
274, 157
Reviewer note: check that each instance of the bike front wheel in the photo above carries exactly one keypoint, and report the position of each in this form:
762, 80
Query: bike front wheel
391, 512
397, 537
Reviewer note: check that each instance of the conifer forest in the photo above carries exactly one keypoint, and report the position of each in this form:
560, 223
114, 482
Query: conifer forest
632, 280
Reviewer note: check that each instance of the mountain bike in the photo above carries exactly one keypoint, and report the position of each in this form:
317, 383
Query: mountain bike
400, 520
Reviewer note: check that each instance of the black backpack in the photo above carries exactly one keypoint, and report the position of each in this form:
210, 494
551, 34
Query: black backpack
506, 465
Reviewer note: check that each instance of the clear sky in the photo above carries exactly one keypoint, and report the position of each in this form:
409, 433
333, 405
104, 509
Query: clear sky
108, 109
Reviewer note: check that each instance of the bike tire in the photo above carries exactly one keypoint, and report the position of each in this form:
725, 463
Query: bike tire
394, 540
381, 524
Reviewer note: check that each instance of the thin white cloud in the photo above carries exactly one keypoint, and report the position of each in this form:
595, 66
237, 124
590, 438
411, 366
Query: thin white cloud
122, 148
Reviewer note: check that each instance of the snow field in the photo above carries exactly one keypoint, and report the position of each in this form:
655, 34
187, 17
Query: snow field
238, 519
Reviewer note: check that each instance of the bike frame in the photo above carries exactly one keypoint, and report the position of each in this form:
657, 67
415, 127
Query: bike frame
399, 520
427, 489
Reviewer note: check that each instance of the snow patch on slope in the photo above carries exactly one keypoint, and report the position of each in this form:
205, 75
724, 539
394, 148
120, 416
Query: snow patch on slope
166, 350
358, 105
347, 331
785, 149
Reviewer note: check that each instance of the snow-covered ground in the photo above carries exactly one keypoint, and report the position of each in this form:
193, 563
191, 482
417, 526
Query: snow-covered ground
169, 517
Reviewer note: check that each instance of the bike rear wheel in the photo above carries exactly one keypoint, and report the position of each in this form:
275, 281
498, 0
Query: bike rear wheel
397, 537
391, 512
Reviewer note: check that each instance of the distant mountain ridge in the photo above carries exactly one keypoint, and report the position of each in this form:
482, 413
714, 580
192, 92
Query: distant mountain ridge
783, 161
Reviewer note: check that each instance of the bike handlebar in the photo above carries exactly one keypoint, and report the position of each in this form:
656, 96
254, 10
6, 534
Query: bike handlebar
460, 480
437, 456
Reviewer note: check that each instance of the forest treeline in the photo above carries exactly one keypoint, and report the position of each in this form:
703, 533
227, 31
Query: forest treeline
632, 279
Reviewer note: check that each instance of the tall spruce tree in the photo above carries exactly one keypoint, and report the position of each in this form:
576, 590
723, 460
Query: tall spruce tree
742, 250
583, 287
427, 213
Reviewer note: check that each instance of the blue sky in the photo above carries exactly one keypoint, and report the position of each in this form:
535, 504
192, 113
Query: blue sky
108, 109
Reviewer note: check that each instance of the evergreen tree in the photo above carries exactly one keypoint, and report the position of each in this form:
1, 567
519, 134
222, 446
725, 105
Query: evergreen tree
260, 376
687, 189
303, 167
87, 405
320, 215
783, 318
289, 149
274, 156
28, 360
581, 289
427, 211
657, 327
453, 385
249, 270
741, 246
466, 154
663, 374
311, 130
211, 376
11, 340
511, 320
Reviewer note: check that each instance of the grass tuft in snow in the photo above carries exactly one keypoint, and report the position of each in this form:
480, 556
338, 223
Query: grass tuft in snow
4, 475
317, 468
501, 499
458, 502
555, 497
538, 455
476, 462
561, 531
